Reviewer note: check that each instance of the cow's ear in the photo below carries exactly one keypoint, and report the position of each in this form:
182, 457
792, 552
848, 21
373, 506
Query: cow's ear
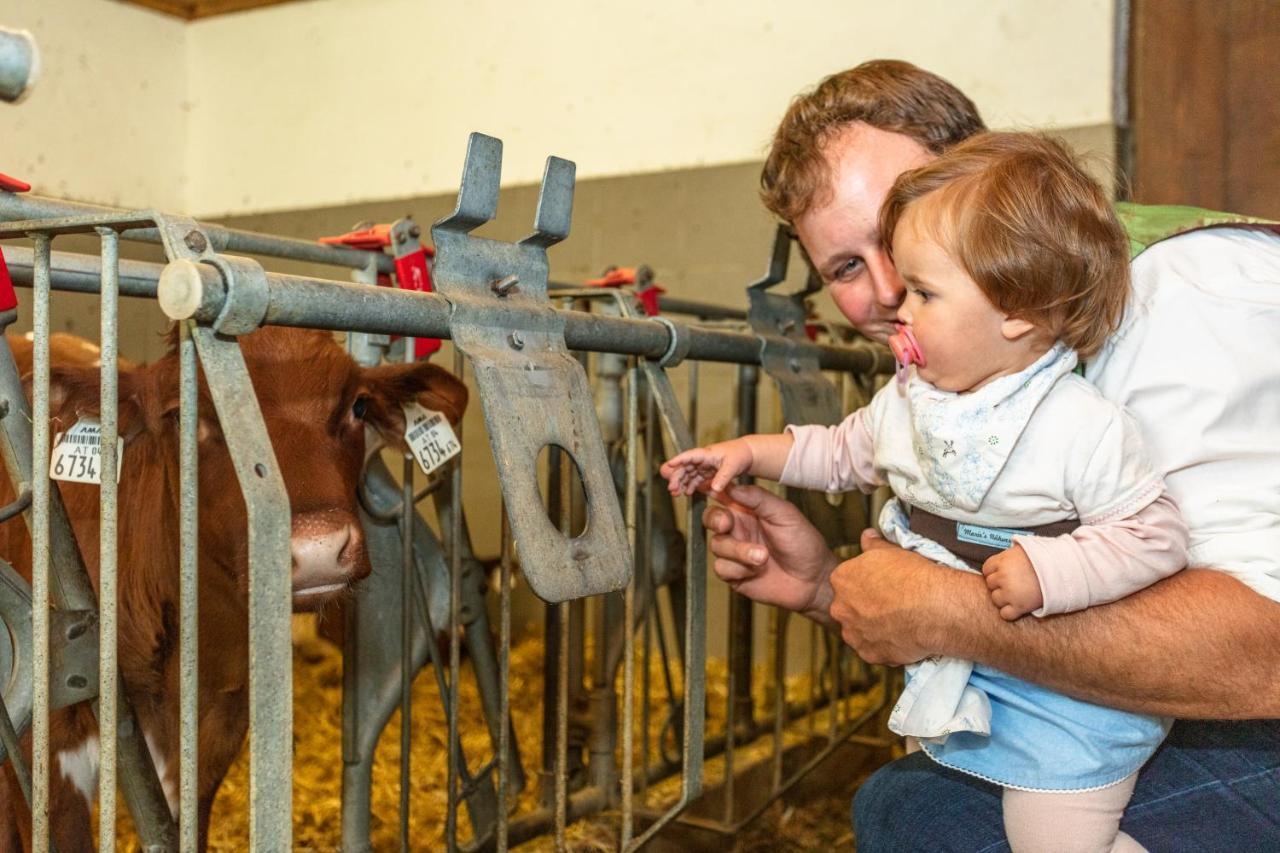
391, 386
74, 393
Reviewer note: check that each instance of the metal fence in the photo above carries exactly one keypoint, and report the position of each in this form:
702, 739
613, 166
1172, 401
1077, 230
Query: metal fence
585, 521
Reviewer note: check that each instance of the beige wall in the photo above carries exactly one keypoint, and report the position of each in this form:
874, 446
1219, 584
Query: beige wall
331, 101
106, 121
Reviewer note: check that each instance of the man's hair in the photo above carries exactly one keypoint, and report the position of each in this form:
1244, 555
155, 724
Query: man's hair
1029, 226
885, 93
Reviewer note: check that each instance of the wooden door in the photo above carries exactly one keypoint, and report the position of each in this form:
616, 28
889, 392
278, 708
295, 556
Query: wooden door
1204, 104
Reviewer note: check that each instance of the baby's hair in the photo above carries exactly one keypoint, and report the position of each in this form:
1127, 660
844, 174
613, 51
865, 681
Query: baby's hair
1029, 226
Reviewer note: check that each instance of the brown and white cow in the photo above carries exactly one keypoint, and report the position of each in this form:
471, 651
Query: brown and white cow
317, 404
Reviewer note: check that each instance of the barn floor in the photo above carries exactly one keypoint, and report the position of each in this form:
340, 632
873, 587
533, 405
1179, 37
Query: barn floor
814, 816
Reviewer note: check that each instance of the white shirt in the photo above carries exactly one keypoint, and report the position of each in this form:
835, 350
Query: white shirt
1197, 363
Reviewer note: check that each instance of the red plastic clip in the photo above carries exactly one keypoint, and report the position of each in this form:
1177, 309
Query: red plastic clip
646, 293
370, 238
13, 185
8, 298
413, 272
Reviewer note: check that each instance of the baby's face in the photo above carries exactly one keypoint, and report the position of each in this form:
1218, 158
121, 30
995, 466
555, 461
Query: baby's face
966, 340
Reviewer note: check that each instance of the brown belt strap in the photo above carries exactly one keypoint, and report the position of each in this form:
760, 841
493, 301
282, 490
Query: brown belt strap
973, 543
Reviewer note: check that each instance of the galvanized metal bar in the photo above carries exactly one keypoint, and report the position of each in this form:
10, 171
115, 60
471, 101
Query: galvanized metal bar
79, 272
455, 599
651, 610
70, 588
108, 596
562, 732
631, 499
304, 302
504, 682
40, 558
778, 622
26, 206
270, 594
188, 591
407, 670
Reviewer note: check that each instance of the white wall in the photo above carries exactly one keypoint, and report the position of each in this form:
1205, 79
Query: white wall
106, 121
325, 102
331, 101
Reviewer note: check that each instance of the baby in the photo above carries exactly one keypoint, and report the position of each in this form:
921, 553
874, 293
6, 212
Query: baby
1003, 461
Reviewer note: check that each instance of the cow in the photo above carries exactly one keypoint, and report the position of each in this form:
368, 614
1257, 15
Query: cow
325, 415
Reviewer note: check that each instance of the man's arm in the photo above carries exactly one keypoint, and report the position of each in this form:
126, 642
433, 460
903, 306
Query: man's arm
1198, 644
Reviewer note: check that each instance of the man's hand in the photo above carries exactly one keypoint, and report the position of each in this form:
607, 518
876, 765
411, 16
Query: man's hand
718, 463
767, 550
881, 599
1014, 585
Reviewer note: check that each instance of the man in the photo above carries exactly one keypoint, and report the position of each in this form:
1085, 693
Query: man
1197, 362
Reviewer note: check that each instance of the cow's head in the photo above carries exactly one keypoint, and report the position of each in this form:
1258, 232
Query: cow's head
321, 410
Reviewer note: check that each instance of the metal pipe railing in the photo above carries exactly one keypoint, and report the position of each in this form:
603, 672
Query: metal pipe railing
322, 304
15, 206
24, 206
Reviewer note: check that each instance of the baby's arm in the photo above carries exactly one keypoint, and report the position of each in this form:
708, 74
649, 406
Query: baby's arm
757, 455
1094, 564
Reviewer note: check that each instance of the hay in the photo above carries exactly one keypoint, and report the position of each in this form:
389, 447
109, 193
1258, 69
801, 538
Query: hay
317, 669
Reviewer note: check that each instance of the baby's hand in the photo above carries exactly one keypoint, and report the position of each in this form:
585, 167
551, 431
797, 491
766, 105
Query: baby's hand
1014, 587
719, 462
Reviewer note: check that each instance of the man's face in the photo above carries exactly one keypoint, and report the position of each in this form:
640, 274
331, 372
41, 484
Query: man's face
841, 235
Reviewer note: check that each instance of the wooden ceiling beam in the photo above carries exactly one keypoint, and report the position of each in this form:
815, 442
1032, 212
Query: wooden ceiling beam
191, 10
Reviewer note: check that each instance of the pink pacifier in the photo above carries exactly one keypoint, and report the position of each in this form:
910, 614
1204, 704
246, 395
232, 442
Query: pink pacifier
906, 351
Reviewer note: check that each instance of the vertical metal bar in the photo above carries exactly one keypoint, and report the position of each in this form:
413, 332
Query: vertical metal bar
651, 611
813, 675
108, 604
40, 548
628, 606
188, 591
455, 598
833, 664
730, 721
270, 594
779, 622
562, 730
408, 569
739, 628
504, 682
551, 647
693, 399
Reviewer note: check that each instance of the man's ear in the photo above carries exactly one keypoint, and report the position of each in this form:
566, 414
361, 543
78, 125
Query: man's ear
1013, 328
391, 386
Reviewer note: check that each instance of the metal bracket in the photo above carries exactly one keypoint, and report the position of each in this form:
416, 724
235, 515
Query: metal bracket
534, 393
269, 522
73, 657
681, 340
180, 288
808, 397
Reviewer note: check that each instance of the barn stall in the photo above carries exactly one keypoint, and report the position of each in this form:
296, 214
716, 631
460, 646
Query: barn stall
613, 719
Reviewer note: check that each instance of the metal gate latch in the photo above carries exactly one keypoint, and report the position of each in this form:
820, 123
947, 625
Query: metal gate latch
534, 393
791, 359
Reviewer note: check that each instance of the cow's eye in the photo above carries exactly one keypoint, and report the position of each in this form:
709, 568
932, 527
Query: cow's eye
360, 407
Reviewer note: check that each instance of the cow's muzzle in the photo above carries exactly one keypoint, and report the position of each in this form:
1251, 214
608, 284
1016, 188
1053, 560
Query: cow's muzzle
328, 556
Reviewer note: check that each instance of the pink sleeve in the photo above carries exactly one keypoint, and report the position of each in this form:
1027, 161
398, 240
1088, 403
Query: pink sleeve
1097, 563
833, 459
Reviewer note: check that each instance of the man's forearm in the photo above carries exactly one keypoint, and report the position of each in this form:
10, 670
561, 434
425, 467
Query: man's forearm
1199, 644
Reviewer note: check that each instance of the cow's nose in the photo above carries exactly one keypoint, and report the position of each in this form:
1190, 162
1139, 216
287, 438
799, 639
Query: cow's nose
326, 554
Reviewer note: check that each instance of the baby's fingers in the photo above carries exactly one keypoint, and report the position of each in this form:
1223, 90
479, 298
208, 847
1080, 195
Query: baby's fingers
1010, 613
